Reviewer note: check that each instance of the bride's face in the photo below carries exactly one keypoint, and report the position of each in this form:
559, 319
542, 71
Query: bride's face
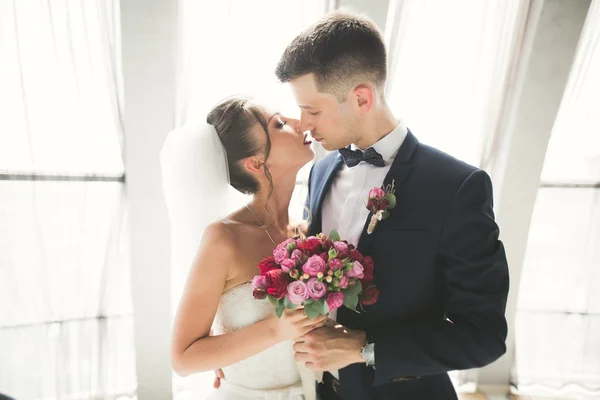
290, 147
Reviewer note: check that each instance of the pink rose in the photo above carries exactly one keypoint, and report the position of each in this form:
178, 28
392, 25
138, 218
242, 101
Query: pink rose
343, 282
316, 289
287, 264
357, 271
376, 193
297, 292
335, 264
280, 253
287, 242
259, 282
314, 265
335, 300
340, 247
297, 255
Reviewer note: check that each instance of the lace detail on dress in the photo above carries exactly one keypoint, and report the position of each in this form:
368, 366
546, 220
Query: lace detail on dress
273, 368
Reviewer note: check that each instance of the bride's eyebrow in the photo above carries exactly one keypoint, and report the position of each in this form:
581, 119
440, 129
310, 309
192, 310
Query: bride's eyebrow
272, 116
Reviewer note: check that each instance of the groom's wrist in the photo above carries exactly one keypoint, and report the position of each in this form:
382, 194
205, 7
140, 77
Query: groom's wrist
359, 342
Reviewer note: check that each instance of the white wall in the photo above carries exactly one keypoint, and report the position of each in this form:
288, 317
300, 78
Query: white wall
148, 48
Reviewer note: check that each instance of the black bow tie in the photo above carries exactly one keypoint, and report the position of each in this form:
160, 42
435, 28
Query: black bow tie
354, 157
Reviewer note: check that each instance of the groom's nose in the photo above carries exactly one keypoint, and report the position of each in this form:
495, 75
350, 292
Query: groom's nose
306, 125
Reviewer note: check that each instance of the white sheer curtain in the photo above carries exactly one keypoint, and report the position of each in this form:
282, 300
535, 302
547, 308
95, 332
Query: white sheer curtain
558, 317
450, 63
231, 47
65, 324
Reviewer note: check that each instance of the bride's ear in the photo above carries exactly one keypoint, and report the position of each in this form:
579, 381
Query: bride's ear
253, 164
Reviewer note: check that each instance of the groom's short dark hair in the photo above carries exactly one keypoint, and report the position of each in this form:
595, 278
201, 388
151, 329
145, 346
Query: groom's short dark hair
341, 49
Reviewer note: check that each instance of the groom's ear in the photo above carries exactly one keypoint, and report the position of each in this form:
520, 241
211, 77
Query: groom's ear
364, 96
253, 164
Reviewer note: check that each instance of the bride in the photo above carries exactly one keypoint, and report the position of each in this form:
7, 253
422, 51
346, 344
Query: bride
259, 152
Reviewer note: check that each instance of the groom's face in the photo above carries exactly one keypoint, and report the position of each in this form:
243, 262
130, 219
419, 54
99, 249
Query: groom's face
330, 123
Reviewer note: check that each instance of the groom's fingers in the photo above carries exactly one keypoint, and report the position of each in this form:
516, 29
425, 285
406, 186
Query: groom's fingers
301, 347
303, 357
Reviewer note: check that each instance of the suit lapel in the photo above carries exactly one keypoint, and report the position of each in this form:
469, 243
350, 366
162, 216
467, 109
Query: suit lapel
399, 173
321, 191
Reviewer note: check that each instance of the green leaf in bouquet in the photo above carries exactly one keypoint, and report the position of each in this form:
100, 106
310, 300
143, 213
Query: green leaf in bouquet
334, 235
385, 214
274, 300
279, 310
353, 290
351, 301
392, 199
310, 311
332, 253
288, 304
321, 306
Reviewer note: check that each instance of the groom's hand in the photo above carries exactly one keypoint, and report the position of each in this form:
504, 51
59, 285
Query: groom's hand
218, 376
330, 347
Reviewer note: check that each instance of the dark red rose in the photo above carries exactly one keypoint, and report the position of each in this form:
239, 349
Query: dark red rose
266, 265
372, 204
312, 245
369, 296
324, 256
369, 265
351, 246
259, 293
355, 254
277, 282
327, 244
383, 204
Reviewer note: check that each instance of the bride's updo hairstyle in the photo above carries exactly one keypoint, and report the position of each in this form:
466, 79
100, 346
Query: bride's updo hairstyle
234, 118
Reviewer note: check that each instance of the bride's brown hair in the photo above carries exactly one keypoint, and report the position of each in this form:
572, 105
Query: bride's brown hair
234, 118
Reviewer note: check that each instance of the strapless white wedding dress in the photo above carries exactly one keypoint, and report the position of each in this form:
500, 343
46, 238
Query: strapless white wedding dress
270, 375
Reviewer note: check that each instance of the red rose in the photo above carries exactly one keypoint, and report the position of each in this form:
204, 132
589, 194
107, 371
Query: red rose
327, 244
355, 254
277, 282
312, 245
259, 293
369, 296
369, 265
324, 256
267, 265
383, 204
372, 204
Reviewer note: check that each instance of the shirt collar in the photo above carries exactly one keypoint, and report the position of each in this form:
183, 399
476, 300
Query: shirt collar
388, 145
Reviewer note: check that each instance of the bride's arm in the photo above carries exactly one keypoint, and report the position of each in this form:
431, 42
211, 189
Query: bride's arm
192, 349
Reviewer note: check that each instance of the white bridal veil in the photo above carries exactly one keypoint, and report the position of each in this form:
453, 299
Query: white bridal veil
197, 192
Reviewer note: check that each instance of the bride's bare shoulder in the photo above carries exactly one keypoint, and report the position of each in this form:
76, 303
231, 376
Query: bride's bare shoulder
223, 234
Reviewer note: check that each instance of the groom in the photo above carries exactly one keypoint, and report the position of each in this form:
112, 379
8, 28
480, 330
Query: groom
439, 266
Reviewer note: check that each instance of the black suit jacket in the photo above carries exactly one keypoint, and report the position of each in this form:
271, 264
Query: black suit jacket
441, 271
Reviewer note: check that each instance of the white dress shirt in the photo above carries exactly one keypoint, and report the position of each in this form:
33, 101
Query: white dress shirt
344, 207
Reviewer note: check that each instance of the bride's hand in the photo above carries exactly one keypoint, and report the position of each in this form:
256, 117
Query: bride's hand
298, 229
294, 323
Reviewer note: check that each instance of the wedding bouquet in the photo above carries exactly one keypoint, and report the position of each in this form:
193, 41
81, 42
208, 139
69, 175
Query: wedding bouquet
320, 273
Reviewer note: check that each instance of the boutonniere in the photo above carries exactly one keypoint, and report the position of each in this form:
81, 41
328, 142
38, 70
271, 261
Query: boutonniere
380, 201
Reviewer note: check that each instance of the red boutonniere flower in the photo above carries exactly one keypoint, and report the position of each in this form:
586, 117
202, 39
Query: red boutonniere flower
380, 201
